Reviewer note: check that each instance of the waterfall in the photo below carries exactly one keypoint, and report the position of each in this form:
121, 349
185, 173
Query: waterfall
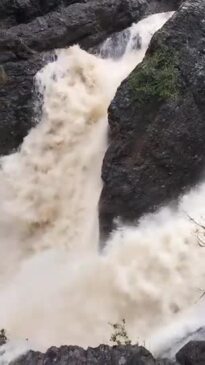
55, 286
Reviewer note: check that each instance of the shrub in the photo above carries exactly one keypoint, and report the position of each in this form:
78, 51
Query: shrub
119, 335
3, 337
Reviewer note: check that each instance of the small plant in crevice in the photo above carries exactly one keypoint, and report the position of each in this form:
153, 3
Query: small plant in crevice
119, 335
200, 235
3, 337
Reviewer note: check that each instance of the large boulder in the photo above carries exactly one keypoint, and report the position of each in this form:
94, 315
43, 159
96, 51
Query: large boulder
157, 123
193, 353
29, 28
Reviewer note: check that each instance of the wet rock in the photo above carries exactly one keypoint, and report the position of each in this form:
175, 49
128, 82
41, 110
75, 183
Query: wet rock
157, 129
192, 353
114, 47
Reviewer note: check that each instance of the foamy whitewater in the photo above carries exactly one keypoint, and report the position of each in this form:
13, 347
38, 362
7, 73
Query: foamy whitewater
55, 286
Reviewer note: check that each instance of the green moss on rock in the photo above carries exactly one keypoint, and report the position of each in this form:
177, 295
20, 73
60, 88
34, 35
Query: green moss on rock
156, 80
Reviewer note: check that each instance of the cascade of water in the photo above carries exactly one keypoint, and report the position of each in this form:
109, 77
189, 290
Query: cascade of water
54, 286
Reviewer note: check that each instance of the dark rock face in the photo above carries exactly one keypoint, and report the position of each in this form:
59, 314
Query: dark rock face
163, 5
192, 354
13, 12
29, 28
157, 123
16, 101
103, 355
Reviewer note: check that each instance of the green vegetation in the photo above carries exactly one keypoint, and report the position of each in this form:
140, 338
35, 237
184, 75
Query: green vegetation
120, 336
156, 79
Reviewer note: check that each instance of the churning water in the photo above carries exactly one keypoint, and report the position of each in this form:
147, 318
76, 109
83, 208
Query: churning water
55, 287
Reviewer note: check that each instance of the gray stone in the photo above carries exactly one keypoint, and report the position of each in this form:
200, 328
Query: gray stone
192, 353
